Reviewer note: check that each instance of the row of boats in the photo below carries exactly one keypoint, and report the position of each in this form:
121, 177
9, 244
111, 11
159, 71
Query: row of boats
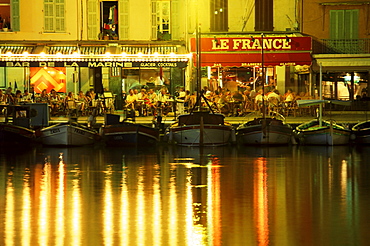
194, 129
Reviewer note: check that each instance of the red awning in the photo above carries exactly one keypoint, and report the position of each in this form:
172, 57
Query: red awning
254, 59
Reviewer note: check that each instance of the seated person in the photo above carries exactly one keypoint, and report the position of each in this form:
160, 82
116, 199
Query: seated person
131, 100
55, 101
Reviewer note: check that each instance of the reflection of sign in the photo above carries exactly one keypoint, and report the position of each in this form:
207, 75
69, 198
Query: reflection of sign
91, 64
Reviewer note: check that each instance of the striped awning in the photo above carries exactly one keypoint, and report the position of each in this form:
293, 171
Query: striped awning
16, 49
69, 50
149, 49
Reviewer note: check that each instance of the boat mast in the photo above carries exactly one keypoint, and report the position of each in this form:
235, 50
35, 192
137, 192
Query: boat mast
263, 78
320, 95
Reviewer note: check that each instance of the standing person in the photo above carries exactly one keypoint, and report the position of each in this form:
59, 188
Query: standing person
162, 101
181, 100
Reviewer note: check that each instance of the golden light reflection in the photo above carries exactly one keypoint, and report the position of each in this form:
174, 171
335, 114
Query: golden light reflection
261, 202
189, 208
209, 202
9, 211
108, 229
44, 208
172, 213
124, 211
140, 208
157, 207
214, 164
60, 217
343, 180
26, 209
76, 209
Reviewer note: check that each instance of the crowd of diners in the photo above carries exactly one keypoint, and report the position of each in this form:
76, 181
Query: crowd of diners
151, 102
59, 104
147, 102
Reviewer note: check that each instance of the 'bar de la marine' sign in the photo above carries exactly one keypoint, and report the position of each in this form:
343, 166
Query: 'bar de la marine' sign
218, 44
91, 64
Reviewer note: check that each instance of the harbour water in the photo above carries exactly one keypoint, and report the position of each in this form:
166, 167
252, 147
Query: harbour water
169, 195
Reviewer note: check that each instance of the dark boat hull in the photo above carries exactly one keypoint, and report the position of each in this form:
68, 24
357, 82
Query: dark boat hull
273, 132
16, 134
130, 134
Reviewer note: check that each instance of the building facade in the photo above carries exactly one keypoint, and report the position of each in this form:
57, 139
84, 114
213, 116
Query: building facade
238, 38
341, 48
116, 45
71, 45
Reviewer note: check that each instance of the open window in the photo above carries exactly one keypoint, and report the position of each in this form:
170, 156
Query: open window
9, 15
109, 19
161, 20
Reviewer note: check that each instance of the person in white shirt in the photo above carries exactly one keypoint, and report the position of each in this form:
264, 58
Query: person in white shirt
131, 99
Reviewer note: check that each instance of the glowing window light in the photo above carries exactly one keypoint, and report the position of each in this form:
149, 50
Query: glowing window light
9, 53
107, 54
140, 54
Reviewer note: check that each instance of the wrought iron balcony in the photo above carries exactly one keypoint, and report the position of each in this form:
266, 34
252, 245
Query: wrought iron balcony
341, 46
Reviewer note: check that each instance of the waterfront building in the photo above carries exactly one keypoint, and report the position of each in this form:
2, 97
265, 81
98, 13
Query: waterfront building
74, 45
71, 45
341, 46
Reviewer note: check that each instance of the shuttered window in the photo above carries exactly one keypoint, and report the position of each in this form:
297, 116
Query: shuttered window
219, 15
54, 15
264, 20
15, 23
344, 32
92, 20
124, 19
344, 24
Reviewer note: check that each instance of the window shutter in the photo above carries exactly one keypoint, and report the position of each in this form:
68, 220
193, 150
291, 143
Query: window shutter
154, 20
175, 22
351, 22
123, 24
59, 16
48, 16
15, 23
92, 20
344, 24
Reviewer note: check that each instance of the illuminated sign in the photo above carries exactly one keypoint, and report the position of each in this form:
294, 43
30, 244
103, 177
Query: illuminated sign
122, 64
253, 44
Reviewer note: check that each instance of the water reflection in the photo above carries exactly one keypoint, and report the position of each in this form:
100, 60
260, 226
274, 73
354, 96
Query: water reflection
296, 195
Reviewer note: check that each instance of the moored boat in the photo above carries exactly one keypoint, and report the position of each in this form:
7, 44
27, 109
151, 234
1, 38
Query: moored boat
325, 132
264, 131
319, 131
68, 134
361, 132
10, 133
201, 128
129, 133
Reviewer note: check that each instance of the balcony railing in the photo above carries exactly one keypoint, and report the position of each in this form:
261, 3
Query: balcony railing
341, 46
